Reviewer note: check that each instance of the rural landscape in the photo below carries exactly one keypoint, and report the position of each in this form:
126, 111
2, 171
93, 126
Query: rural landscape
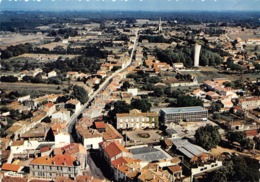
127, 95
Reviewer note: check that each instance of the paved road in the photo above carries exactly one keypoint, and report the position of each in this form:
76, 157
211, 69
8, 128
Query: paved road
102, 87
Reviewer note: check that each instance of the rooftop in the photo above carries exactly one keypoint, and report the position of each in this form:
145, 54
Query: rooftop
114, 148
111, 133
100, 125
148, 154
57, 160
10, 167
188, 149
172, 110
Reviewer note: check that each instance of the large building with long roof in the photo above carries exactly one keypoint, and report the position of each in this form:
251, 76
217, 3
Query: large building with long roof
179, 114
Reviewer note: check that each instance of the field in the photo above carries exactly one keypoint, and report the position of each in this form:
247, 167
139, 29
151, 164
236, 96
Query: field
30, 87
15, 39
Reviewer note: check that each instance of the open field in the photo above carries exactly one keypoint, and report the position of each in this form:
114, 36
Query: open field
45, 57
16, 38
44, 88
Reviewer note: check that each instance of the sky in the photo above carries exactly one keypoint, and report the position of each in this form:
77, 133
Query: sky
133, 5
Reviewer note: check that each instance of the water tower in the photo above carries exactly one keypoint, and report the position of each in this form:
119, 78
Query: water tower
197, 54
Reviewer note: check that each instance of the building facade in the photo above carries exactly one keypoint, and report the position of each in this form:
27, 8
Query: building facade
179, 114
51, 167
137, 119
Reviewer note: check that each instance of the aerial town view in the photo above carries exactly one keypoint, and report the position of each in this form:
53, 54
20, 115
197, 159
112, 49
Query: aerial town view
130, 90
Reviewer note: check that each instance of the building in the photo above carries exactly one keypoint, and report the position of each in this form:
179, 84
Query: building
249, 103
178, 66
50, 167
179, 114
113, 150
41, 132
197, 55
88, 136
136, 119
76, 150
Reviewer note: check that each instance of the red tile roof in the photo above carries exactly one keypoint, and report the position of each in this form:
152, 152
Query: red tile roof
49, 105
10, 167
57, 160
18, 143
100, 125
14, 179
114, 148
251, 132
175, 169
124, 160
45, 149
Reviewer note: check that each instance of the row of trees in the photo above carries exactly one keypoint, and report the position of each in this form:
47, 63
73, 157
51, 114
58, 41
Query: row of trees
17, 50
81, 64
122, 107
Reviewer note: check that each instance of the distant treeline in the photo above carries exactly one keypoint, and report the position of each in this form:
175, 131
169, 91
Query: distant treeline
21, 20
20, 49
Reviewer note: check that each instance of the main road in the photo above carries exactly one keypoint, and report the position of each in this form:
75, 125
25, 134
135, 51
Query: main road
102, 87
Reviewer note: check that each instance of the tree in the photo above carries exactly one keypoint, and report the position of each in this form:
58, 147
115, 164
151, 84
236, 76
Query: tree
186, 101
208, 136
144, 105
215, 107
218, 175
119, 107
9, 78
80, 93
125, 85
236, 136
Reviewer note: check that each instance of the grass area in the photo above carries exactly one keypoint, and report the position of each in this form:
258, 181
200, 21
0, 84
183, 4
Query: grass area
31, 87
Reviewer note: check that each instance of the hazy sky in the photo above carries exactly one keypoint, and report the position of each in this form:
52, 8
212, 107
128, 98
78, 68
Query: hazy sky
153, 5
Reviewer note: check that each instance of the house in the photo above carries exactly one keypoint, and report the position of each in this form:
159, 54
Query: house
249, 103
212, 96
40, 132
161, 171
100, 126
236, 125
17, 129
49, 108
136, 119
62, 114
73, 75
111, 151
46, 98
52, 73
88, 136
198, 93
50, 167
76, 150
24, 98
178, 66
111, 134
73, 104
11, 167
62, 137
126, 168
